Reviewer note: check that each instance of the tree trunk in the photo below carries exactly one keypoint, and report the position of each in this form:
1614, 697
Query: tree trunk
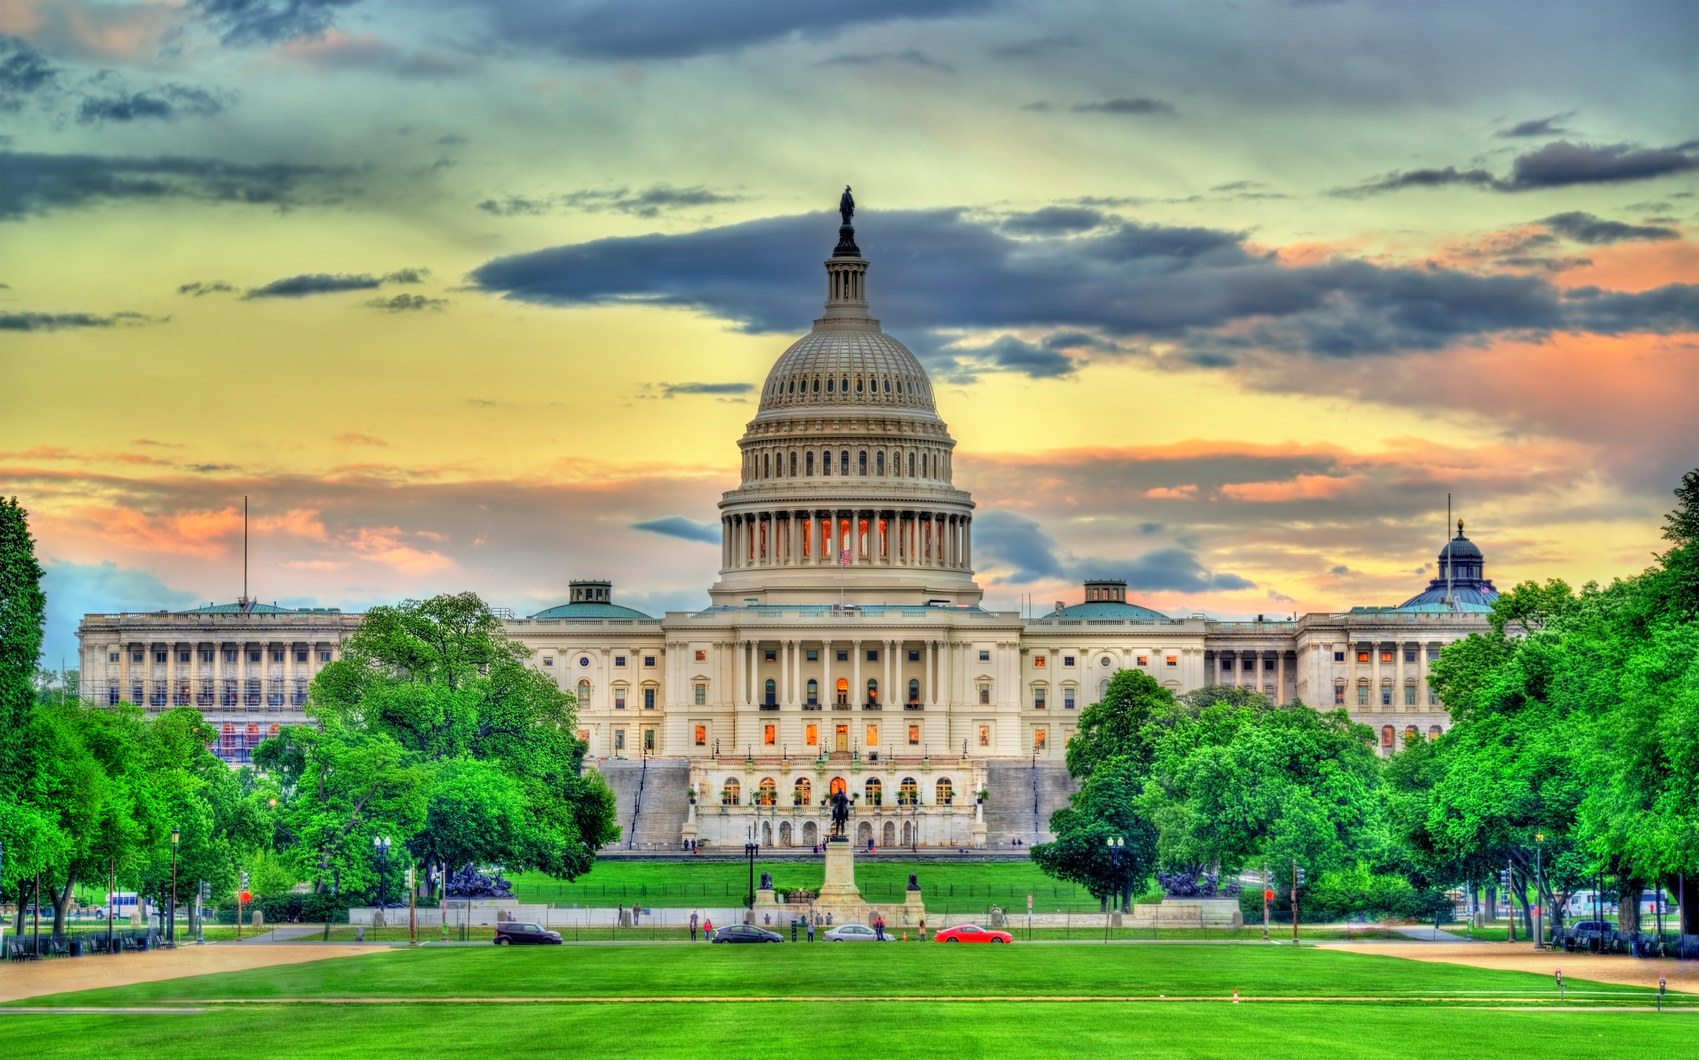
23, 897
1628, 904
62, 902
1684, 888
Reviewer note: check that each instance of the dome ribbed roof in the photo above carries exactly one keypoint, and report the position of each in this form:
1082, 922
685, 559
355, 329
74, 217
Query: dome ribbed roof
839, 365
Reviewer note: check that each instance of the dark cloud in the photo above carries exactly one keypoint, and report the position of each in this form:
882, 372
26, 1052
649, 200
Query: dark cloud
37, 183
676, 389
1173, 570
198, 289
245, 23
1537, 127
1586, 228
1669, 309
1039, 106
1555, 165
680, 29
315, 283
64, 321
406, 276
403, 303
1052, 221
940, 273
679, 526
1139, 105
24, 72
908, 57
163, 103
1022, 546
1010, 354
648, 202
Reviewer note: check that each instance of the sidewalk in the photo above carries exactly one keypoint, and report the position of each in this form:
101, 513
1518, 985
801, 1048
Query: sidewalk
1431, 934
38, 978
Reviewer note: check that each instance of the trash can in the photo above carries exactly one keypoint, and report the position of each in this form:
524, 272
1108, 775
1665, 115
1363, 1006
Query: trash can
141, 944
76, 947
117, 944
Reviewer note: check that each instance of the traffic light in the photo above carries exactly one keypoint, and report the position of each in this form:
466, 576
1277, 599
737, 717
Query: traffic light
1300, 877
1504, 879
244, 881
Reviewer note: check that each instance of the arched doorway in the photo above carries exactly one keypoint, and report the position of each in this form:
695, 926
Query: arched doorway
784, 833
864, 833
838, 786
890, 839
843, 694
810, 834
908, 833
766, 833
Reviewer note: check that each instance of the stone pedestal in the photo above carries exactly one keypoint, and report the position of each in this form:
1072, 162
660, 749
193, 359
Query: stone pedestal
840, 888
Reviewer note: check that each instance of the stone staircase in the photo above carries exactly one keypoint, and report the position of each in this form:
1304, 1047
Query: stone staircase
1014, 787
651, 799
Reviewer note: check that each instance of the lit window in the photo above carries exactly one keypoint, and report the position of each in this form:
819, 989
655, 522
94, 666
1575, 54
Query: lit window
1171, 660
1362, 656
985, 736
945, 791
1386, 736
1038, 741
1386, 656
583, 735
1039, 662
873, 736
1144, 660
914, 736
811, 736
701, 655
770, 735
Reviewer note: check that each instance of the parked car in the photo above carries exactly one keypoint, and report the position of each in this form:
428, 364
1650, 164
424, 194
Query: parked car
1588, 935
514, 934
855, 933
973, 933
746, 933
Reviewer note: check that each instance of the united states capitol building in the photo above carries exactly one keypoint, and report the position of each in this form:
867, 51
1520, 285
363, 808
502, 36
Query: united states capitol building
845, 643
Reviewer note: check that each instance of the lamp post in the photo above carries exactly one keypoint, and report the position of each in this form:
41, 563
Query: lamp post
749, 849
381, 842
1114, 844
171, 917
1539, 892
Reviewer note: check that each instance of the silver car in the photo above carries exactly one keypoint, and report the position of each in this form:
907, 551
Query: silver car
855, 933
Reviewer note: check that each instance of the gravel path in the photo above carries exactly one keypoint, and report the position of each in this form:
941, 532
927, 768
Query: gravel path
1522, 957
57, 976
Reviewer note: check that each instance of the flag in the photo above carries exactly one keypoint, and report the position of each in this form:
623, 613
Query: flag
843, 558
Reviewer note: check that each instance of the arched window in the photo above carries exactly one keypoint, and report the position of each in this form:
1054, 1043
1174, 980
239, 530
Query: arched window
804, 793
887, 386
862, 463
908, 793
766, 465
808, 463
729, 793
843, 691
826, 462
813, 692
793, 463
784, 833
768, 793
914, 690
1409, 733
837, 786
1102, 690
845, 386
875, 791
583, 693
880, 463
872, 690
858, 384
817, 384
772, 692
945, 792
1386, 736
1434, 732
829, 386
843, 461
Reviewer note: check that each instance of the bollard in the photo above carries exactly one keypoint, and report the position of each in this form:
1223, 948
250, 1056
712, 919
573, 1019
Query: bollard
1559, 974
1661, 987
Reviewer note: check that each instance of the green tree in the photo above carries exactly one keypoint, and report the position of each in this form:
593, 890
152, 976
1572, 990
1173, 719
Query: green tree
1124, 724
23, 617
1100, 811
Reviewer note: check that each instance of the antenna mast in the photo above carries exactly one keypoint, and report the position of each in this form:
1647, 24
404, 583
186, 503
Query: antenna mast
245, 547
1449, 601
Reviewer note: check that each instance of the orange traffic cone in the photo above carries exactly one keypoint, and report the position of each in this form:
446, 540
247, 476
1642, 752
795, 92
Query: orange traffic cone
1235, 997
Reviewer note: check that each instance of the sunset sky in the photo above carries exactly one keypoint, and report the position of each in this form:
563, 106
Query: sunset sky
465, 294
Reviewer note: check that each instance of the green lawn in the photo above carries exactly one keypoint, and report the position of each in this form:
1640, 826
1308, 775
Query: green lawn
958, 886
763, 1024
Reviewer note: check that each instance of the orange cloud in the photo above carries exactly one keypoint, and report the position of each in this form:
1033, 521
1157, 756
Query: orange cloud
1161, 493
1635, 267
1300, 488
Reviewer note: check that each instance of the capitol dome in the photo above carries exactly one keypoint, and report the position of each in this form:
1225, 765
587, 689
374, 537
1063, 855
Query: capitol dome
1462, 583
844, 366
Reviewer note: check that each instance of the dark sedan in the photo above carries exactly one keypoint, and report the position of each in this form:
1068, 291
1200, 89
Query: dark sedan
746, 933
510, 934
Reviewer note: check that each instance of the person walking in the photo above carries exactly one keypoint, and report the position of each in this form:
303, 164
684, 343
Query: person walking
923, 929
810, 929
879, 927
693, 925
708, 930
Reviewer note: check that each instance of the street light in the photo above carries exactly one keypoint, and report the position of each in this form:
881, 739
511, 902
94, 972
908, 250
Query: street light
1115, 845
1539, 892
381, 842
749, 849
171, 921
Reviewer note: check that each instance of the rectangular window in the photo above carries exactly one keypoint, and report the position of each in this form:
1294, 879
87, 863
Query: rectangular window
649, 740
649, 662
619, 660
548, 660
1433, 655
1409, 695
770, 735
619, 699
324, 656
1171, 660
1038, 741
701, 655
648, 699
811, 735
112, 696
1227, 663
1268, 665
206, 657
1433, 698
135, 656
770, 655
984, 656
985, 693
1038, 699
914, 736
1068, 699
985, 736
872, 654
619, 739
1338, 656
702, 736
1339, 694
1362, 656
182, 656
701, 694
1362, 697
229, 657
1386, 656
583, 735
813, 655
1409, 656
112, 657
873, 736
1067, 660
843, 656
159, 657
300, 656
277, 656
913, 655
1386, 697
1039, 662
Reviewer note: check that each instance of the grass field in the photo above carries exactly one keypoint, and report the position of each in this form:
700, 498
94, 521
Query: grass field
959, 885
848, 1001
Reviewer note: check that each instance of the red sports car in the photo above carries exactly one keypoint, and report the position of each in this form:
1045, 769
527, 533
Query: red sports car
973, 933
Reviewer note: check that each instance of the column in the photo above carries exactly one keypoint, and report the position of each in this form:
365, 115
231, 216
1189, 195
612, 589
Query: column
738, 665
1398, 682
931, 673
827, 692
1280, 681
855, 664
967, 543
890, 646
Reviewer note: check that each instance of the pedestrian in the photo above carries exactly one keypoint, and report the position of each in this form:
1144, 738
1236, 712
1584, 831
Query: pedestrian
693, 925
810, 929
923, 929
879, 927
